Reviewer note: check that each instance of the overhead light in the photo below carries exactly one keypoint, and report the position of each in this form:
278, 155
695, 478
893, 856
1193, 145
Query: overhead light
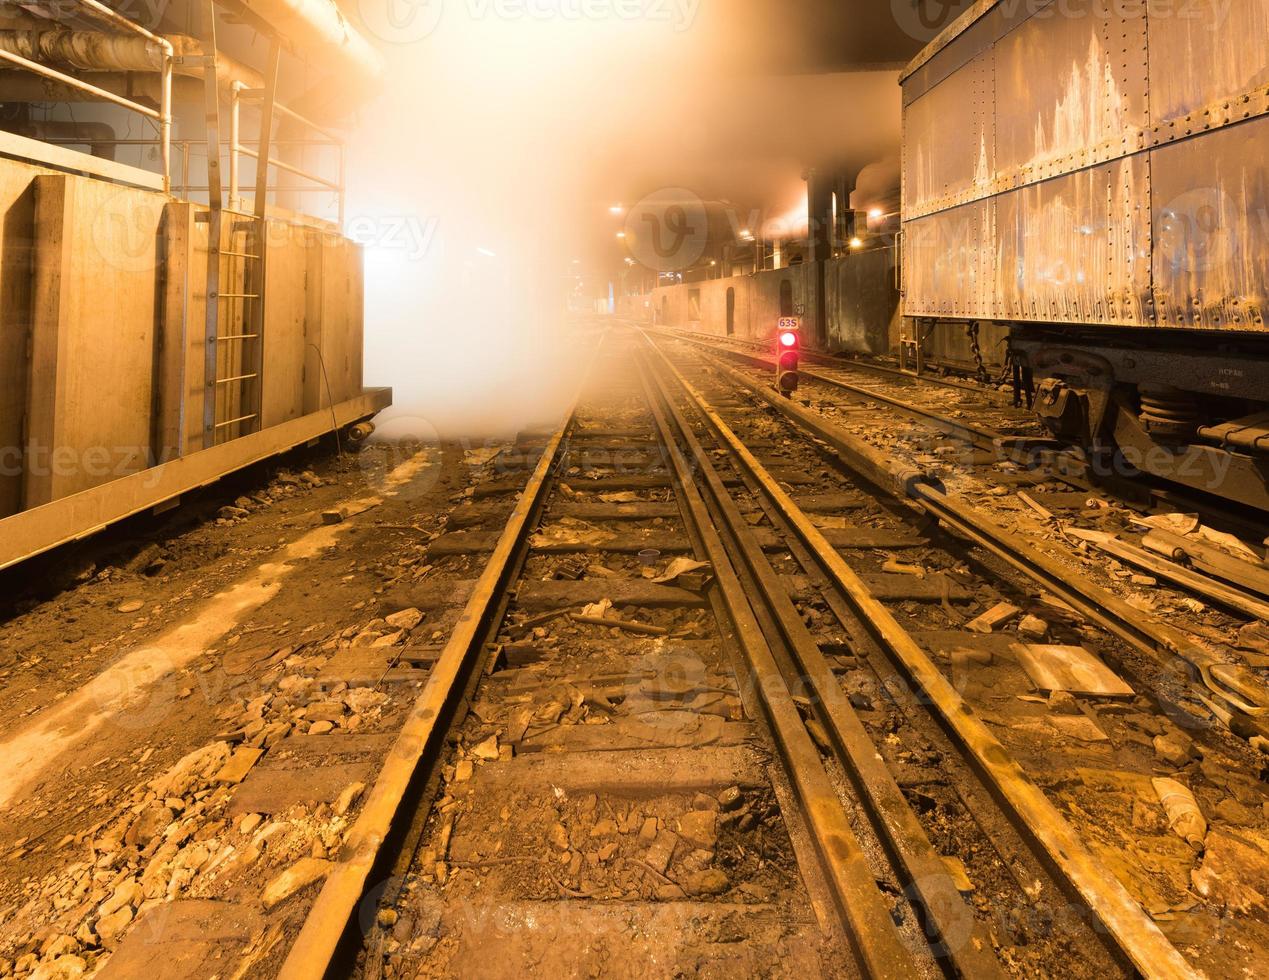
747, 235
484, 251
856, 243
621, 234
875, 213
616, 209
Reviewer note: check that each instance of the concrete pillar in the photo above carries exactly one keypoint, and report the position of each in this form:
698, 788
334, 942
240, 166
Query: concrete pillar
819, 204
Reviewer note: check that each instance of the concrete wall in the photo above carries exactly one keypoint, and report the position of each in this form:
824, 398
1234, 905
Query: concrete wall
757, 303
862, 302
103, 300
860, 297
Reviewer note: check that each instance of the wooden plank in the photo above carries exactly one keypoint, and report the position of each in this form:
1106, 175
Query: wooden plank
17, 239
184, 940
1209, 588
93, 335
174, 322
642, 511
70, 518
898, 588
274, 790
483, 542
286, 310
828, 503
1071, 669
1206, 557
534, 597
641, 774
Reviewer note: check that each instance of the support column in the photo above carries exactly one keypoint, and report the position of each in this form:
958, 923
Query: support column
819, 203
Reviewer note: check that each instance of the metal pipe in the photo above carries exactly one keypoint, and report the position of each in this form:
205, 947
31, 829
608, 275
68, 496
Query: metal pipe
256, 94
291, 169
235, 123
100, 51
75, 83
315, 29
104, 47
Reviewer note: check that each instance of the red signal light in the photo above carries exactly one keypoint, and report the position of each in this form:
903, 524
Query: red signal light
788, 339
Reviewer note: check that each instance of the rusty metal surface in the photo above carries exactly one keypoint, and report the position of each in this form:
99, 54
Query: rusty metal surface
950, 262
1206, 51
1067, 84
1120, 178
1211, 229
949, 136
1075, 249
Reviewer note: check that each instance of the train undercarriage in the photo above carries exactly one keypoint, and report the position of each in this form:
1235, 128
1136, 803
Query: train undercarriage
1197, 417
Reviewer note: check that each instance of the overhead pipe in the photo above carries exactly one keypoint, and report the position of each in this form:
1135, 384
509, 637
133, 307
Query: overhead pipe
315, 30
100, 51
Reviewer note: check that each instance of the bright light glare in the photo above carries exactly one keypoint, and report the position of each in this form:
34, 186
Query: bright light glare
621, 234
486, 252
617, 209
875, 213
788, 339
856, 243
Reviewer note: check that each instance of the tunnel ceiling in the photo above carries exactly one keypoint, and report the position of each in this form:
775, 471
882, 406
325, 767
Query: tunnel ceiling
829, 35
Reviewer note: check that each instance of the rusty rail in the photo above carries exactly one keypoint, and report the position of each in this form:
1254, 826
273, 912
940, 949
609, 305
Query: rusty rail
1134, 933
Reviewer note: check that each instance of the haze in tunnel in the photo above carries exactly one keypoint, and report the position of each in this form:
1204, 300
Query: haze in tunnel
481, 178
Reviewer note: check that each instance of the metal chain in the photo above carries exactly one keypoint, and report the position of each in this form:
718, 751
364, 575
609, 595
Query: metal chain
977, 350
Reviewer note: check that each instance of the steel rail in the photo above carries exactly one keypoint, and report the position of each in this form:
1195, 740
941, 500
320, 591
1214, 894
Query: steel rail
828, 360
1165, 645
977, 436
313, 953
1133, 931
957, 938
869, 925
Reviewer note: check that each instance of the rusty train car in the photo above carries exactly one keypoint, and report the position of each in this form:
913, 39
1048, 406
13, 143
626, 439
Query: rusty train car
1089, 179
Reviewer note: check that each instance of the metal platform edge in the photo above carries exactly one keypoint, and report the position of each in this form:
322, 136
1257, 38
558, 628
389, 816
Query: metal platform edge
32, 532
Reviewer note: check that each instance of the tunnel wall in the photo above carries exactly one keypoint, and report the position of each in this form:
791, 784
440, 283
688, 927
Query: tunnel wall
860, 294
862, 302
703, 305
102, 329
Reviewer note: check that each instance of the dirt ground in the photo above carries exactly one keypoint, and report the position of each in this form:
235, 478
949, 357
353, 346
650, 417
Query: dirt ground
144, 672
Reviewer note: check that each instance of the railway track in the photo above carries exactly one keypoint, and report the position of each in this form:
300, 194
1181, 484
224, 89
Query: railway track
785, 756
1201, 639
983, 419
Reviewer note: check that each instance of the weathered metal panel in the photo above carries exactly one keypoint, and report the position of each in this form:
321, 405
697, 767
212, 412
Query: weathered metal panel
976, 38
1069, 79
1120, 178
949, 138
1076, 248
1211, 229
1204, 52
861, 300
949, 261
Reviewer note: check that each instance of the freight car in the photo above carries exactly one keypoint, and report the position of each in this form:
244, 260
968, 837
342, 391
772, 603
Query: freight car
1089, 180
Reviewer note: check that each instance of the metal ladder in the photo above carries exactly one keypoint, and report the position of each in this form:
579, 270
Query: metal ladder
233, 391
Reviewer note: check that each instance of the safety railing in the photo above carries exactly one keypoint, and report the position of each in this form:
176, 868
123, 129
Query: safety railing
162, 115
238, 147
